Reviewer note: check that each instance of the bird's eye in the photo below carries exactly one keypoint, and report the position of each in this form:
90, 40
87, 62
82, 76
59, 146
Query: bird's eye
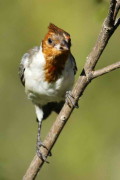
50, 41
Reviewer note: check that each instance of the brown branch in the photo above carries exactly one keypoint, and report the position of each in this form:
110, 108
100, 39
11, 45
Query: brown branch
106, 69
110, 18
85, 78
107, 30
117, 8
117, 23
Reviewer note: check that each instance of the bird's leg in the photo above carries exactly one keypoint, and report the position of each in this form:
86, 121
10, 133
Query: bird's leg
69, 99
39, 143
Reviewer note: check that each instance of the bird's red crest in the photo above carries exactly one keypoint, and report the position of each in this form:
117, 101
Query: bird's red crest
57, 30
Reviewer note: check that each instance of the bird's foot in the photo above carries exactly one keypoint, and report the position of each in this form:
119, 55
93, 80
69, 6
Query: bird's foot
39, 153
70, 100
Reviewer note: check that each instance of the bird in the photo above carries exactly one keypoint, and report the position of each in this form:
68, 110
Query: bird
47, 72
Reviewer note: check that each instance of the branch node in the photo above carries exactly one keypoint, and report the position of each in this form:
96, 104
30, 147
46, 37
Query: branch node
89, 76
63, 118
106, 26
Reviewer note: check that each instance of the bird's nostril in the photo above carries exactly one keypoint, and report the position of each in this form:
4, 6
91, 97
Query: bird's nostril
61, 47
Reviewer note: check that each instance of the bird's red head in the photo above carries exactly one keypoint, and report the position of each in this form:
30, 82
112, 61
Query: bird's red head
56, 49
56, 41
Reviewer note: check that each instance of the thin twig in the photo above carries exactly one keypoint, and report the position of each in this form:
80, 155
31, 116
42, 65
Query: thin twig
85, 78
110, 17
117, 23
117, 8
106, 69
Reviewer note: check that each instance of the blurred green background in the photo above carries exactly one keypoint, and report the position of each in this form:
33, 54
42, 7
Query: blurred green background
89, 146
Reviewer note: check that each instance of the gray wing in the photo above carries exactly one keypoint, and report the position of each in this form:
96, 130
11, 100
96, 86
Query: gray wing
26, 60
74, 63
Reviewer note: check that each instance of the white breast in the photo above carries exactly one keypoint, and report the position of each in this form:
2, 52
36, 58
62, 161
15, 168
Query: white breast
39, 90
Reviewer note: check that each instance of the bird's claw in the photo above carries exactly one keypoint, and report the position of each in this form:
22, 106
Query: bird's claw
39, 153
70, 100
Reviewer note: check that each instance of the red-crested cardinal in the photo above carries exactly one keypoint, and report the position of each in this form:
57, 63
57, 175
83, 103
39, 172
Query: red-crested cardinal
47, 72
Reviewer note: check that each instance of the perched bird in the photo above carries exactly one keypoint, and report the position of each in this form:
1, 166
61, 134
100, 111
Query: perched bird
47, 72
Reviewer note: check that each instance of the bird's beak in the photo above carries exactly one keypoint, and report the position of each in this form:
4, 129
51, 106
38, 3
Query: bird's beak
61, 47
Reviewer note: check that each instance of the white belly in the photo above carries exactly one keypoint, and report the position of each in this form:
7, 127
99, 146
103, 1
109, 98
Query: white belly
42, 92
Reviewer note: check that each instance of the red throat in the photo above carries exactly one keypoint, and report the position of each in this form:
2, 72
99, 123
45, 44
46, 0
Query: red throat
54, 67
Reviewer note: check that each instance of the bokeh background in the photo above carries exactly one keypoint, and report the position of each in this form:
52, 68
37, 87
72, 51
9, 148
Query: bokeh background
89, 146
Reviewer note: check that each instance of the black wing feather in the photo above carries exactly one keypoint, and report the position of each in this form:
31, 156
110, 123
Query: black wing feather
74, 64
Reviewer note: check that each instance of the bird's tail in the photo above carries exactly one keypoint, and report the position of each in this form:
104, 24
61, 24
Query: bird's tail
52, 106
